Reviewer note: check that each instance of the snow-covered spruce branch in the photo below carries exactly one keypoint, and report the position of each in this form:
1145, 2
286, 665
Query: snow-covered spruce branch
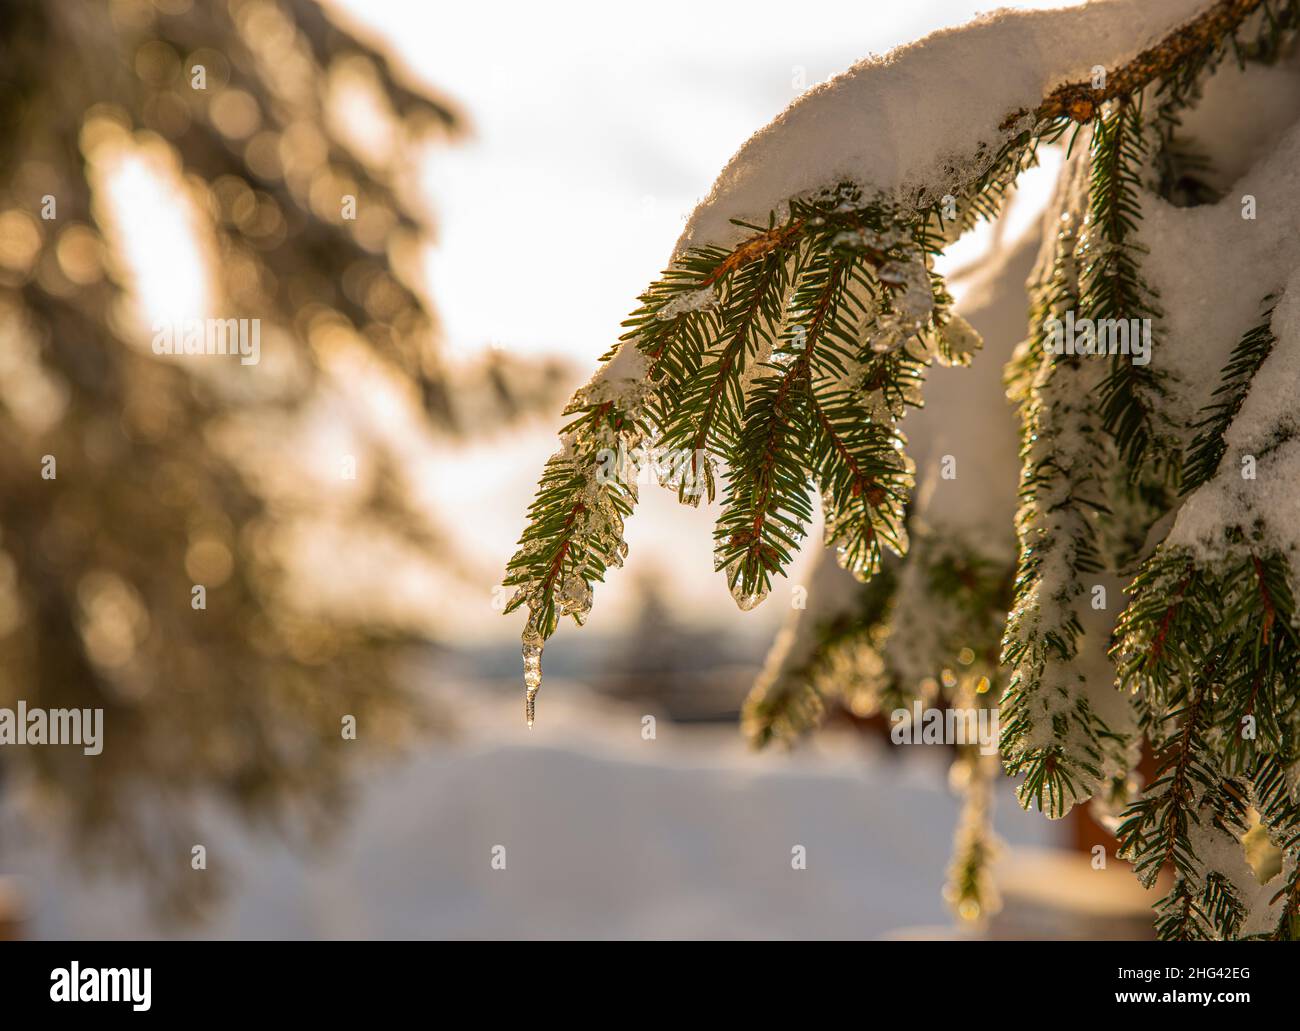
1209, 648
792, 333
1050, 732
720, 359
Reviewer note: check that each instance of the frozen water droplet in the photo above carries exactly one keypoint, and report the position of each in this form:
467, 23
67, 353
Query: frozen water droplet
888, 334
893, 272
745, 600
695, 300
575, 598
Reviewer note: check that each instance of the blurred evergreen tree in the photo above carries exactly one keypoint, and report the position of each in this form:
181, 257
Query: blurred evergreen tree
173, 471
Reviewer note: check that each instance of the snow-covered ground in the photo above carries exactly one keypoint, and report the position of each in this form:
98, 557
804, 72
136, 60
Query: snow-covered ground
606, 835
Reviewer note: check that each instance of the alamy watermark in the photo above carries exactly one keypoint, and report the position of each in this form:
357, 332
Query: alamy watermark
35, 726
75, 983
1130, 337
242, 337
922, 726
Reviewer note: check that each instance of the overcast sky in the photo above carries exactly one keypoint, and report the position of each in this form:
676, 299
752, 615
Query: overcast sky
597, 128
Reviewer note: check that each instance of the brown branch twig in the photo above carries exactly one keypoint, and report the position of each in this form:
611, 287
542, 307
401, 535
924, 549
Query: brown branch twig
1079, 101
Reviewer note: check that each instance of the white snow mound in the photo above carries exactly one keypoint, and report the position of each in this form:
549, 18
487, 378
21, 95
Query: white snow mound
898, 123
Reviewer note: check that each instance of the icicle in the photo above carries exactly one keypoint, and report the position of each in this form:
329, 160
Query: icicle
532, 679
532, 670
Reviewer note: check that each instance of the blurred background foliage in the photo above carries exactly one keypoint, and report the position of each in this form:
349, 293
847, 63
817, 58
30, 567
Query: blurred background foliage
174, 158
373, 596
